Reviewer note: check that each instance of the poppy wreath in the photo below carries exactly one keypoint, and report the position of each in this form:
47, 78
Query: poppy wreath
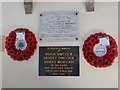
16, 54
91, 58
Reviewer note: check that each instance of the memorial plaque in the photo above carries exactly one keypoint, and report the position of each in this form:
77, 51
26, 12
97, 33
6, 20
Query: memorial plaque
59, 61
59, 26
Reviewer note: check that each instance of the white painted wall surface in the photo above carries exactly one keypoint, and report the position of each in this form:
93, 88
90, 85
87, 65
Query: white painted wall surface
0, 46
25, 74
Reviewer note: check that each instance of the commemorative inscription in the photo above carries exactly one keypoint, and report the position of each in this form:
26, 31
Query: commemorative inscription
58, 25
59, 61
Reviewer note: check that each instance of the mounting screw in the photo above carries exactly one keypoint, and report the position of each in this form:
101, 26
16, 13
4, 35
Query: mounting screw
40, 14
76, 38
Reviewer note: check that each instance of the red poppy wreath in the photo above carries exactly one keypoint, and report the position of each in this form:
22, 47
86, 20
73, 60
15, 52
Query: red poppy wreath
22, 50
99, 51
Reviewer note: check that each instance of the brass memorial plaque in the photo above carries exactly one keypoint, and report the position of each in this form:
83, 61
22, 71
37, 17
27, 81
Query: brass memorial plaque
59, 61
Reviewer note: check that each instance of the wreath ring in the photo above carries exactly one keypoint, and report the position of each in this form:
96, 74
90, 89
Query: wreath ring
25, 54
90, 56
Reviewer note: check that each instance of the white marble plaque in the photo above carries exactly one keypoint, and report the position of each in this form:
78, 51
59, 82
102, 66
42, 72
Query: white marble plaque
59, 25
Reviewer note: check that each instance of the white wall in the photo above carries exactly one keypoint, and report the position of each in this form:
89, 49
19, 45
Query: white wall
0, 46
25, 74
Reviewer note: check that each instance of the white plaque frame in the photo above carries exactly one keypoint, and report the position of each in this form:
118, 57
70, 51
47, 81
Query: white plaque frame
62, 25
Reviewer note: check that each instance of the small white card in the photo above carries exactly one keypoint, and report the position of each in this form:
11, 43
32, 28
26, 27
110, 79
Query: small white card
20, 40
20, 35
104, 41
